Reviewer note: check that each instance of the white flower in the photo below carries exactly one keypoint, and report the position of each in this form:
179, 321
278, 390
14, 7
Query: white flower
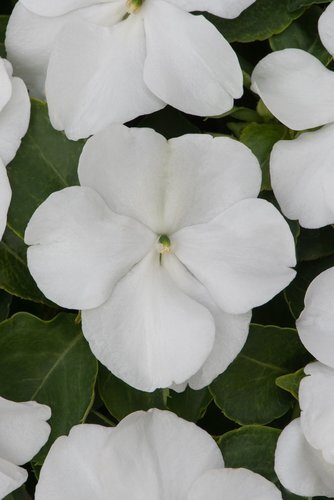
304, 459
23, 431
14, 120
148, 456
165, 249
113, 60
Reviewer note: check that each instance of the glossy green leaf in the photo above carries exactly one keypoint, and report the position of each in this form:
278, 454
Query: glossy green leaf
121, 399
246, 392
252, 447
260, 138
189, 404
260, 21
49, 362
297, 4
290, 382
303, 34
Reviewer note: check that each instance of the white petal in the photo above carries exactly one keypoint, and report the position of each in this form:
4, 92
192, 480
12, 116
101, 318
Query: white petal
11, 477
315, 324
148, 456
95, 77
299, 467
149, 333
23, 430
5, 197
316, 403
59, 7
126, 166
195, 70
167, 185
244, 257
325, 27
223, 8
14, 121
80, 248
231, 330
5, 85
302, 177
296, 87
239, 484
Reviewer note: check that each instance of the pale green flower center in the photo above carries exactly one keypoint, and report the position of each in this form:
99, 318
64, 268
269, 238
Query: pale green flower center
165, 245
133, 6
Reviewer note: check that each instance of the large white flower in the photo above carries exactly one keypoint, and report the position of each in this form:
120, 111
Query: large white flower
304, 459
148, 456
14, 120
23, 431
113, 60
165, 249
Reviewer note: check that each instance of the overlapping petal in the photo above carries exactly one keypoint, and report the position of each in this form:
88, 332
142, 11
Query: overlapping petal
302, 177
223, 8
315, 324
11, 477
50, 8
300, 467
149, 333
196, 71
325, 27
80, 249
239, 484
5, 85
243, 257
147, 456
89, 83
296, 87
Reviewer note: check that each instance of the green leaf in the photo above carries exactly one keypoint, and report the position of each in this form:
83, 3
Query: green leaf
49, 362
121, 399
5, 303
260, 138
246, 392
20, 494
189, 404
169, 122
290, 382
303, 34
260, 21
306, 272
252, 447
3, 27
46, 162
315, 243
297, 4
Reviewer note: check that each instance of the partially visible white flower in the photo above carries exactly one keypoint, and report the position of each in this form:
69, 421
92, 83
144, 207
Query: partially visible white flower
14, 120
113, 60
165, 250
23, 431
326, 28
148, 456
304, 459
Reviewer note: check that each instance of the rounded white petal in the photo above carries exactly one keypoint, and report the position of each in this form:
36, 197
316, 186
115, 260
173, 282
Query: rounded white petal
239, 484
167, 185
301, 468
59, 7
243, 257
231, 330
11, 477
195, 70
223, 8
147, 456
316, 403
315, 324
149, 333
95, 77
23, 430
296, 87
5, 197
80, 249
326, 28
5, 85
302, 177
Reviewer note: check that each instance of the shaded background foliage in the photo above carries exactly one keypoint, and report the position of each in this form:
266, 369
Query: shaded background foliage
43, 354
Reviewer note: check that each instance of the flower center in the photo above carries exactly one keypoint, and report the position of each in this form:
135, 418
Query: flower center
165, 245
133, 5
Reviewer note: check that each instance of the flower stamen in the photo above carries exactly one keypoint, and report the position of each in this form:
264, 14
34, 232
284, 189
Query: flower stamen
165, 245
133, 5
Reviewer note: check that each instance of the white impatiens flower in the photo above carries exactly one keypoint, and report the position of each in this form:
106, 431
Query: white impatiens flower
14, 120
23, 431
165, 250
106, 61
148, 456
304, 459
